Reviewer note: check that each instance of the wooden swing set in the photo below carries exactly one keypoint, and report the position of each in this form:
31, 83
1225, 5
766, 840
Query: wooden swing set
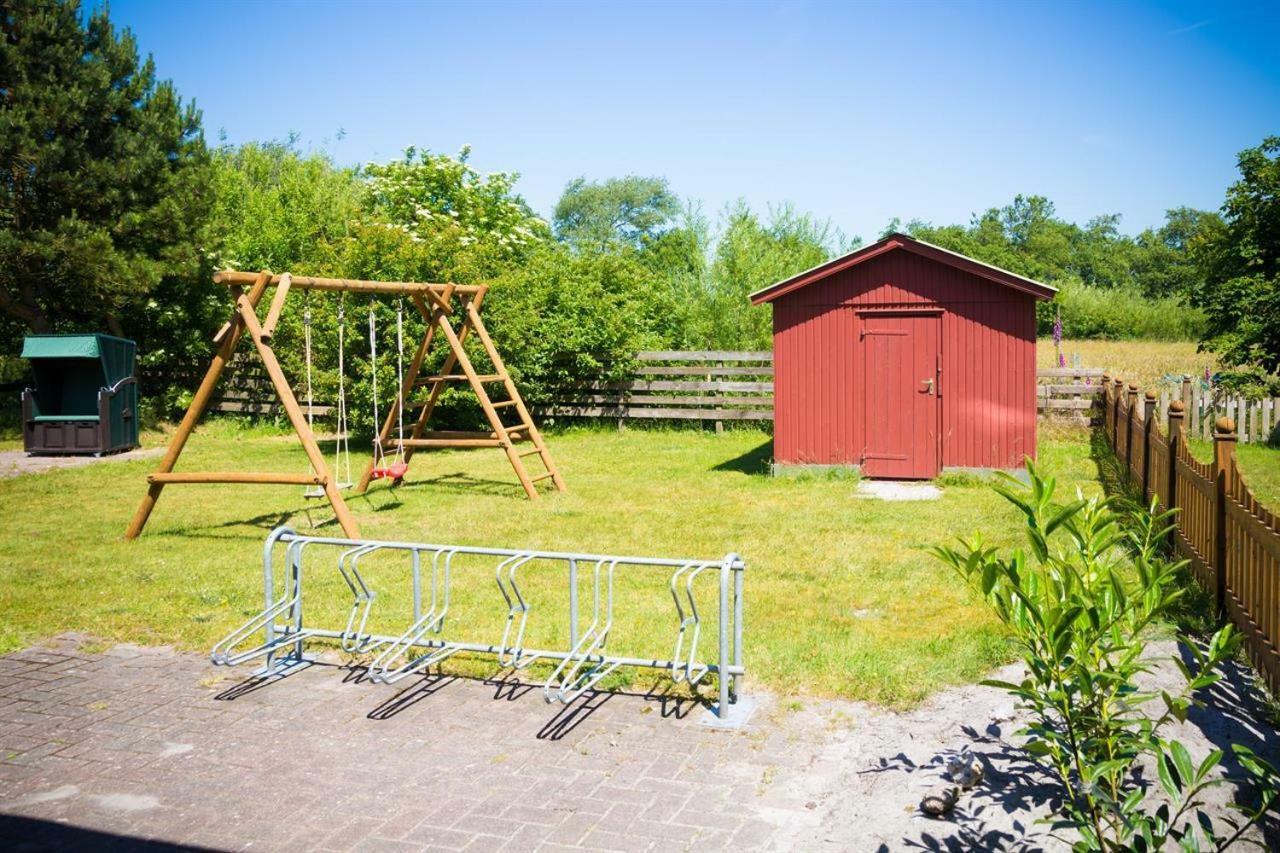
441, 306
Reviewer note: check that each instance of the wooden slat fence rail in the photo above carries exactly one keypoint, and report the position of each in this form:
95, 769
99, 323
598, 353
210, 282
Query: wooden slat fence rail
1231, 540
1069, 394
702, 385
729, 385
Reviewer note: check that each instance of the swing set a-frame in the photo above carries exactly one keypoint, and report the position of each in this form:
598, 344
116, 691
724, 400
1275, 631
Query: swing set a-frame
451, 311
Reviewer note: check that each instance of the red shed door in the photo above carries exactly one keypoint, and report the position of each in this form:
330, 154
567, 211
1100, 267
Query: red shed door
900, 397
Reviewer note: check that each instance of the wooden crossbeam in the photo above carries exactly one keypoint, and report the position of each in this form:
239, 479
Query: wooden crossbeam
237, 477
433, 292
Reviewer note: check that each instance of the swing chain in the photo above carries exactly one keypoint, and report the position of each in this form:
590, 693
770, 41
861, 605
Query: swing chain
378, 455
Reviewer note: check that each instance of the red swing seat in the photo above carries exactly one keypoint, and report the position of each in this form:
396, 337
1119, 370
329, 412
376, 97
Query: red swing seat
394, 471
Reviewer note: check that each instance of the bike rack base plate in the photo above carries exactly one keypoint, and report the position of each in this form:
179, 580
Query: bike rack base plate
739, 714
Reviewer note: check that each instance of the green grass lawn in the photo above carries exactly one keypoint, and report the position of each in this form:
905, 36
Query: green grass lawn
841, 597
1259, 464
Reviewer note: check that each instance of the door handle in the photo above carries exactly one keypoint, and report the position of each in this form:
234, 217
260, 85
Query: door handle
928, 385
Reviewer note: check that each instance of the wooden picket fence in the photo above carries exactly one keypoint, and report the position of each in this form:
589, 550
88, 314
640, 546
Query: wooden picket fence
1230, 539
1255, 420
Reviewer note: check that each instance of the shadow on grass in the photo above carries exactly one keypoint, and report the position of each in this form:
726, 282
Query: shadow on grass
754, 462
376, 499
461, 482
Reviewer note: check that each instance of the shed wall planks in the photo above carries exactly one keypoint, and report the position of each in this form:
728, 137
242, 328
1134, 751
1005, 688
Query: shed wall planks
987, 384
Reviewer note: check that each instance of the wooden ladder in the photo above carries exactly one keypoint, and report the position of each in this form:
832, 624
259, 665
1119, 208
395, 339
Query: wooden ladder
500, 434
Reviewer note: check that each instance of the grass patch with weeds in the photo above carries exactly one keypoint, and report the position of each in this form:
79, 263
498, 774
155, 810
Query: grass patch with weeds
1144, 363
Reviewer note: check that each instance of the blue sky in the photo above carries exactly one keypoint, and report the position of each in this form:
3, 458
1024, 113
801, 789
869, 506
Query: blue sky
854, 112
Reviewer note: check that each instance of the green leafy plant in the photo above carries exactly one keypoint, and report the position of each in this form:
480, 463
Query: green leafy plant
1080, 604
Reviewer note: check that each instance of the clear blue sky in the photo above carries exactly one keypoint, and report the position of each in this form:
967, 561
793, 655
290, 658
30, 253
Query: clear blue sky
856, 112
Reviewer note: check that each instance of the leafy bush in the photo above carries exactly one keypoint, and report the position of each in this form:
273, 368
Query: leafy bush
1079, 609
1118, 314
563, 317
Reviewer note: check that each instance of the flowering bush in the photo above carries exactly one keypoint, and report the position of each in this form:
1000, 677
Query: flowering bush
434, 196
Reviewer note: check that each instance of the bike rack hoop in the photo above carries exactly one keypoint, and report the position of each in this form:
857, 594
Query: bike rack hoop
580, 664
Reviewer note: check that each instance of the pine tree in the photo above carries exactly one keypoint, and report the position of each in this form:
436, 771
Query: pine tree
104, 169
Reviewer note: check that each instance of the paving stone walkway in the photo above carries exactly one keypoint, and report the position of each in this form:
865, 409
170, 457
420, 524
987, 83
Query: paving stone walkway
147, 749
139, 744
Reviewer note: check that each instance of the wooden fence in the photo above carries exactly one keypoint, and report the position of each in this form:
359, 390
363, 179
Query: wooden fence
725, 385
244, 389
1230, 539
1069, 394
705, 385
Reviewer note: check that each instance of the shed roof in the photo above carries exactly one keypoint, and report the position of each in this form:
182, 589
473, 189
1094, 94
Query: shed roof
902, 241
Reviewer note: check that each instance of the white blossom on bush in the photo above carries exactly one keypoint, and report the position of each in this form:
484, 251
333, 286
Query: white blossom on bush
424, 194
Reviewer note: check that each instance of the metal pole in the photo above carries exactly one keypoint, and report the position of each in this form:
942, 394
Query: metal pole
723, 711
297, 607
268, 590
738, 571
573, 603
417, 585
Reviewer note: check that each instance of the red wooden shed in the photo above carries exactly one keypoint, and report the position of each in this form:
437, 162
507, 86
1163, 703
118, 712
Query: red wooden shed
904, 359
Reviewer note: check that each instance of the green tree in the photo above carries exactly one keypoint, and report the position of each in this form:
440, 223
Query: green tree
751, 255
280, 209
105, 181
1240, 259
1166, 263
562, 317
630, 211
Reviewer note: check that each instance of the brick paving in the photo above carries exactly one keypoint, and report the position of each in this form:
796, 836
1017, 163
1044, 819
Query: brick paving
140, 745
148, 749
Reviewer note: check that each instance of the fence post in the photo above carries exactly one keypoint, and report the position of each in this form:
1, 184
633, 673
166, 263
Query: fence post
1117, 386
1148, 420
1106, 404
1128, 431
1224, 448
1177, 411
1186, 389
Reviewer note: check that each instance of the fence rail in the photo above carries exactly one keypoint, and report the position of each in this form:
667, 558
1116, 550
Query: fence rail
1230, 539
701, 385
731, 385
245, 389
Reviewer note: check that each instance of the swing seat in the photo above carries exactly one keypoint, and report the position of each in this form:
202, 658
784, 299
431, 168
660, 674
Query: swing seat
394, 471
319, 492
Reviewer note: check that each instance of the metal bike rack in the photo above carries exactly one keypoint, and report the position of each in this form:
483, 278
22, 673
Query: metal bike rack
579, 666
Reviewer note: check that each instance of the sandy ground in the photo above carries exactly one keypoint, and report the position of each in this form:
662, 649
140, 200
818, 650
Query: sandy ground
867, 780
14, 463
